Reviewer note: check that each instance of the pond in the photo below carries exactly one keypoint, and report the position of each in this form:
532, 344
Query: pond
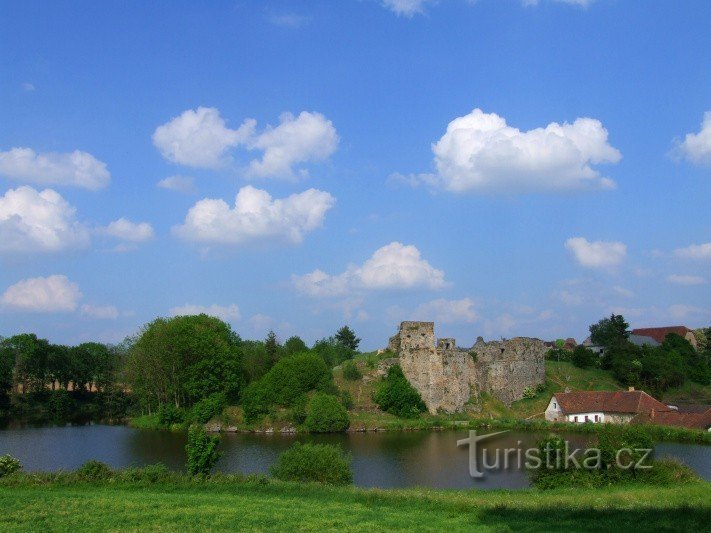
386, 459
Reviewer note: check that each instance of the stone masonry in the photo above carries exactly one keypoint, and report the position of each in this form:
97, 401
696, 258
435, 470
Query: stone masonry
448, 377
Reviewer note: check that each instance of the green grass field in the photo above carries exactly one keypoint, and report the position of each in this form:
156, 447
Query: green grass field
286, 506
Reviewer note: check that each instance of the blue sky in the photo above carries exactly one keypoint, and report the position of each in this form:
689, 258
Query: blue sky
502, 167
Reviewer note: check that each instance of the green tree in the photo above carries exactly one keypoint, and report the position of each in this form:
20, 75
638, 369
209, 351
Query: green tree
397, 396
347, 337
326, 414
294, 345
323, 463
183, 359
332, 351
584, 357
609, 331
255, 360
202, 451
272, 347
351, 372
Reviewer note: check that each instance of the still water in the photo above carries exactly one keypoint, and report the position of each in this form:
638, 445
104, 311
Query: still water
387, 460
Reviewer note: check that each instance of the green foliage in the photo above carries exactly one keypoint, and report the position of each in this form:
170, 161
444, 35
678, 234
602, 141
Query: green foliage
208, 408
60, 405
9, 465
294, 345
95, 471
169, 414
529, 392
395, 395
202, 451
286, 382
184, 359
323, 463
347, 337
326, 414
609, 331
154, 473
332, 352
272, 347
346, 399
558, 354
351, 372
584, 357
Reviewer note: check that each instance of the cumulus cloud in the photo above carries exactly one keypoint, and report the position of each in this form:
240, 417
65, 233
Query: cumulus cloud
406, 8
447, 311
308, 137
126, 230
33, 221
394, 266
597, 254
696, 147
481, 153
200, 138
226, 313
255, 216
682, 279
695, 251
102, 312
50, 294
77, 169
182, 184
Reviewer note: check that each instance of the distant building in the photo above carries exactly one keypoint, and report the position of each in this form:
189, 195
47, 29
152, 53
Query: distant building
689, 420
659, 334
595, 348
616, 407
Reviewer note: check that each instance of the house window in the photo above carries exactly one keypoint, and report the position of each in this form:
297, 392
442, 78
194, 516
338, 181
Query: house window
555, 406
597, 418
586, 418
575, 419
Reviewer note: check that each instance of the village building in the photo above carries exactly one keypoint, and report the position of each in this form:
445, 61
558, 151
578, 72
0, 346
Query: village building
659, 334
615, 407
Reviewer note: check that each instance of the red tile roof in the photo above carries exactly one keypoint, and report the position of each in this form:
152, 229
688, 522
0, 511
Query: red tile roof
608, 402
659, 334
675, 418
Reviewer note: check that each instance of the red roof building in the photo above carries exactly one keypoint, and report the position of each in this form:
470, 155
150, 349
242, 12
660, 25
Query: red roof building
601, 406
659, 334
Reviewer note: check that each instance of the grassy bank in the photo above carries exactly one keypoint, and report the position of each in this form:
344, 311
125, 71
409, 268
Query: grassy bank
265, 504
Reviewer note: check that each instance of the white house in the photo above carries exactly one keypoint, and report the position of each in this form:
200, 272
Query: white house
616, 407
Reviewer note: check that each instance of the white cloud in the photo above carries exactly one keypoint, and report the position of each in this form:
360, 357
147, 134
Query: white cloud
28, 87
32, 221
480, 153
78, 169
223, 312
126, 230
447, 311
260, 322
308, 137
406, 8
696, 147
394, 266
682, 279
623, 291
695, 251
103, 312
199, 138
597, 254
53, 293
681, 311
255, 216
182, 184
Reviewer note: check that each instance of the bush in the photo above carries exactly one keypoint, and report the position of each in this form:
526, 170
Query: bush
297, 414
95, 471
9, 465
396, 396
529, 392
584, 357
326, 415
60, 405
202, 451
168, 415
209, 407
346, 399
154, 473
323, 463
351, 372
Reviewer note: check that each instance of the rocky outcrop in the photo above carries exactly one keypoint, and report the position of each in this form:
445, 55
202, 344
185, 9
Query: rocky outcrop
448, 377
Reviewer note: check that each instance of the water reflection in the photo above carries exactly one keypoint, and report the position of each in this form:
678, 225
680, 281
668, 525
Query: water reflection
390, 459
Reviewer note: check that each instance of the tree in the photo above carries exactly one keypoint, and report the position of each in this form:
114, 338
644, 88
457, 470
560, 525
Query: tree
584, 357
272, 347
332, 351
397, 396
183, 359
347, 337
609, 331
294, 345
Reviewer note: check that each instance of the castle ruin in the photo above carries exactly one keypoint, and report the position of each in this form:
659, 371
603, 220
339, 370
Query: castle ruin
448, 377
